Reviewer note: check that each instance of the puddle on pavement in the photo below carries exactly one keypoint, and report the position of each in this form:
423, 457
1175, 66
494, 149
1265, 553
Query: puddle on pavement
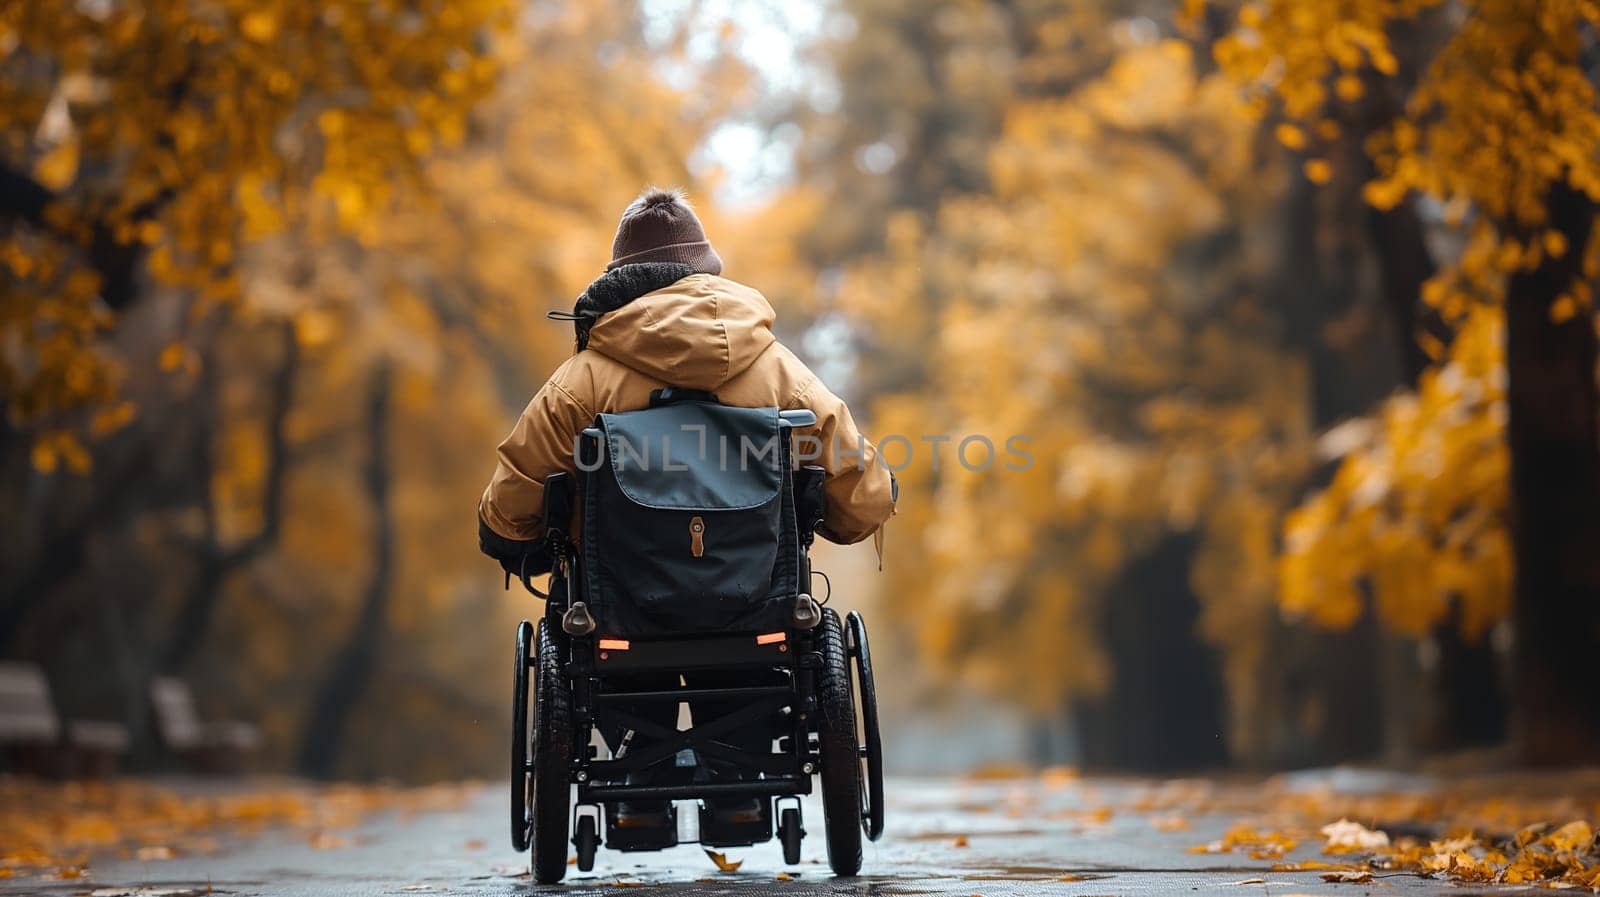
941, 835
1032, 873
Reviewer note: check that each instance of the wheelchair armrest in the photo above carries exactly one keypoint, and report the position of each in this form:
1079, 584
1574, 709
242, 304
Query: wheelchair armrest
810, 501
797, 417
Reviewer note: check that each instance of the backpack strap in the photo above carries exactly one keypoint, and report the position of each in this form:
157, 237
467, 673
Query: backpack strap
668, 395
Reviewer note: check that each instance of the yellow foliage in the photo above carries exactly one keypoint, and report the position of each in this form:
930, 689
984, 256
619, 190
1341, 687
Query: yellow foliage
187, 129
57, 168
1417, 510
1502, 112
48, 829
448, 289
1054, 308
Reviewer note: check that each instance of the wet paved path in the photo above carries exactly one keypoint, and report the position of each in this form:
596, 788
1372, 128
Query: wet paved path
944, 837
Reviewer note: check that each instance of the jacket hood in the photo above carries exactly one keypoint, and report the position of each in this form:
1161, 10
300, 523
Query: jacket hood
697, 332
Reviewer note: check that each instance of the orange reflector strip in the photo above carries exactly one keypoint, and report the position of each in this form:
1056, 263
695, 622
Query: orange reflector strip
771, 638
613, 644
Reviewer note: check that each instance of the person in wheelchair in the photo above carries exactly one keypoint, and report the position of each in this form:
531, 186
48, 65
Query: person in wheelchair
662, 317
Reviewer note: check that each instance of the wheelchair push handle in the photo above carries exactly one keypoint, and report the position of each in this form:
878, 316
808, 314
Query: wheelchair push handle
559, 496
797, 417
810, 500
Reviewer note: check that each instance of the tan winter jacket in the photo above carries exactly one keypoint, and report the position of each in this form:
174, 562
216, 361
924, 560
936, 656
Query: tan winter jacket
702, 332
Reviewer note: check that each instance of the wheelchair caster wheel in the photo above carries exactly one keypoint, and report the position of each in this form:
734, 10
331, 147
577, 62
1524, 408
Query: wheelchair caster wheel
790, 833
586, 839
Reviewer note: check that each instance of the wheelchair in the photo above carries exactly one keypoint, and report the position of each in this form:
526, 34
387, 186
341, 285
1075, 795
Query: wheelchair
665, 577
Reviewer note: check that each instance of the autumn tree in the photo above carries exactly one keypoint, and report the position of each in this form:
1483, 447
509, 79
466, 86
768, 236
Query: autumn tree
448, 294
114, 167
1501, 130
285, 512
118, 187
1100, 301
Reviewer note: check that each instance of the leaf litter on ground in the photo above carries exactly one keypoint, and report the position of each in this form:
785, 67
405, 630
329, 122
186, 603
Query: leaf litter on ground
723, 863
49, 829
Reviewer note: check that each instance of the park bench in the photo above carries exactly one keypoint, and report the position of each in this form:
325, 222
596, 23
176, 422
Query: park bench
215, 746
33, 739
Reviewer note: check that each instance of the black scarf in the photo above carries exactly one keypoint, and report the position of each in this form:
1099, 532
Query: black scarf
616, 288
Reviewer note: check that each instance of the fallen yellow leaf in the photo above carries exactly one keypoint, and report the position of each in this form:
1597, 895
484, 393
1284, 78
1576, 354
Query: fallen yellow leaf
1346, 836
723, 863
1173, 823
1572, 836
154, 853
325, 841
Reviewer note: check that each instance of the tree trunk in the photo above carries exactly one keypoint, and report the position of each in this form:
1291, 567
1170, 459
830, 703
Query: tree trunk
1468, 697
1329, 705
1470, 702
217, 561
1165, 708
1404, 265
63, 551
351, 672
1555, 485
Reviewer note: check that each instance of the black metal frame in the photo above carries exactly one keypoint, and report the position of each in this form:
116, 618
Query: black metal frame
591, 663
588, 666
590, 669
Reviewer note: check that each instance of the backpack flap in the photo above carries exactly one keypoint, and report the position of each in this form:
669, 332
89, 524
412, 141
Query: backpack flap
696, 456
688, 522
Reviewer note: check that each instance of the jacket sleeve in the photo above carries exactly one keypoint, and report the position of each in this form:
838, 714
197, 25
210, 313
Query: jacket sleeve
859, 487
540, 444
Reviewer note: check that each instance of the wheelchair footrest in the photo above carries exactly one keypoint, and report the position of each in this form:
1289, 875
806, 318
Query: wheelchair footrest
716, 830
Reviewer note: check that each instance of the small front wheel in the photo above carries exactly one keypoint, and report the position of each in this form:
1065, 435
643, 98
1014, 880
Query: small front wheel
586, 839
790, 834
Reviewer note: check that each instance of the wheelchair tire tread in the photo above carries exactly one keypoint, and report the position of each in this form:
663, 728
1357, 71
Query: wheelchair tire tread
867, 715
552, 797
519, 737
841, 763
790, 835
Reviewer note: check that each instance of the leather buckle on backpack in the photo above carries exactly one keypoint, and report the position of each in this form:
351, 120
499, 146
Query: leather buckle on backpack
697, 529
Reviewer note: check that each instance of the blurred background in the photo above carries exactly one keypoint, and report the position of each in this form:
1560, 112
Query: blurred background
1292, 301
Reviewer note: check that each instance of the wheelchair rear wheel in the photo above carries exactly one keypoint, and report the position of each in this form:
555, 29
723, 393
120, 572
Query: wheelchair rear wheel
520, 775
549, 761
872, 748
841, 758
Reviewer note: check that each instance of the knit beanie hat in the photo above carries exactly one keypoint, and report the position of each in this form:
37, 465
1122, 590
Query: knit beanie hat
659, 226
